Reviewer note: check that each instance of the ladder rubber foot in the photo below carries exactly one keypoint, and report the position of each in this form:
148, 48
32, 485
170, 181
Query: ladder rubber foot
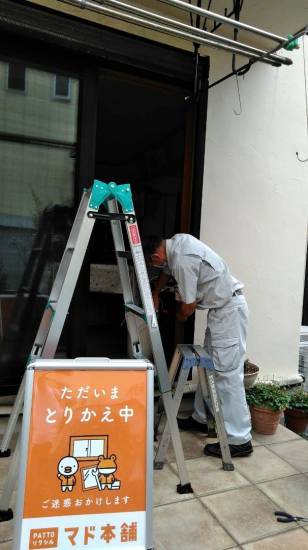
158, 465
227, 466
5, 453
6, 515
184, 489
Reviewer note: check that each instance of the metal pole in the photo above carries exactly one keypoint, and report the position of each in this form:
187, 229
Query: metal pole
196, 30
222, 19
93, 6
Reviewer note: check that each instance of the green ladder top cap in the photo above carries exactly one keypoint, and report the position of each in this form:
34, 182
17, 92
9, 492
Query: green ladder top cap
103, 191
293, 44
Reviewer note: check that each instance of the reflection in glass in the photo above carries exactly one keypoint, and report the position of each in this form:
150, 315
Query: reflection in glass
38, 136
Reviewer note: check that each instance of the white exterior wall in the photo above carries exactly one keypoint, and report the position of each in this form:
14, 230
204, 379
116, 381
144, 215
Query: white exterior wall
255, 201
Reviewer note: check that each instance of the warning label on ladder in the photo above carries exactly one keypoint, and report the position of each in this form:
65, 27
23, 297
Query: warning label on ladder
134, 234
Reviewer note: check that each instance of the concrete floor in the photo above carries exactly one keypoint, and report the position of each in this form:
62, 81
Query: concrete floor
227, 509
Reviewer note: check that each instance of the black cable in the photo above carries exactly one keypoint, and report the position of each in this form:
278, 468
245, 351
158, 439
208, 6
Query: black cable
191, 17
245, 68
241, 71
197, 49
217, 25
205, 20
198, 17
237, 6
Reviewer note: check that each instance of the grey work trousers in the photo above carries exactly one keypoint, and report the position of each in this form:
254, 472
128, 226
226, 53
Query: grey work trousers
225, 341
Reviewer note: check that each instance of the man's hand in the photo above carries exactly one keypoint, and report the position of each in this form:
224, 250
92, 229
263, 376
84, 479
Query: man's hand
185, 310
161, 282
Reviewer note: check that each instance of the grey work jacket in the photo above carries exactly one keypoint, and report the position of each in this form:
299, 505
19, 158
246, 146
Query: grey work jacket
201, 274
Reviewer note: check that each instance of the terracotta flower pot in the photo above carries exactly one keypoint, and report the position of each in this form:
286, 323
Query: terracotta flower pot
264, 421
296, 420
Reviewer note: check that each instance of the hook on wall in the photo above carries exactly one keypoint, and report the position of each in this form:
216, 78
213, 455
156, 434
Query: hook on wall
239, 98
301, 160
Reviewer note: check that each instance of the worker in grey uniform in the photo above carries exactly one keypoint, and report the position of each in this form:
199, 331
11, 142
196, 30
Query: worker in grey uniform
205, 282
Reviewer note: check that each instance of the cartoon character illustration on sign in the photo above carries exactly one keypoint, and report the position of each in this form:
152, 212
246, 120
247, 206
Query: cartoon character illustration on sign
104, 473
67, 469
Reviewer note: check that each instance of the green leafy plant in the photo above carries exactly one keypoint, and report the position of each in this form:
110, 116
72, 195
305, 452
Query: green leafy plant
268, 396
298, 400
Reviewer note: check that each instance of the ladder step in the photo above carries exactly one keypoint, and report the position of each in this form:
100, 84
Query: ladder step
135, 309
124, 254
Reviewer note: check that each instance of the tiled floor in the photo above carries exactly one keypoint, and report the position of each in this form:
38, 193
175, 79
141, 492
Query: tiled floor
227, 509
235, 509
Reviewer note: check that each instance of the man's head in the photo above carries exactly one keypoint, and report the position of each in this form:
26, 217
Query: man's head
154, 249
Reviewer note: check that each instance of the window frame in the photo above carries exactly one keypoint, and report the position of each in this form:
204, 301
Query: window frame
15, 90
61, 97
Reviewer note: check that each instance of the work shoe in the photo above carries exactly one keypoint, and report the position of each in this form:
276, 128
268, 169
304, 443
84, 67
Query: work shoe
191, 425
213, 449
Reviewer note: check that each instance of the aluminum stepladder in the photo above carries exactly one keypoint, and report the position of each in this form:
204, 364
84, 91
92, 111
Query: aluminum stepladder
49, 332
185, 357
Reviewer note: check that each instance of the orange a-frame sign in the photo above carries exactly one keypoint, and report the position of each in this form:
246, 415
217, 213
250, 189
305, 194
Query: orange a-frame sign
86, 456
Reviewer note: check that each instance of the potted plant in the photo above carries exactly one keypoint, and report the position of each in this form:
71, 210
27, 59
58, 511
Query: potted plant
266, 401
251, 372
296, 414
